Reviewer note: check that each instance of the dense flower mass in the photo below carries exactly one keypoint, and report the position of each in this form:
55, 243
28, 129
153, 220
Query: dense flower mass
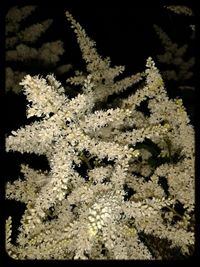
118, 178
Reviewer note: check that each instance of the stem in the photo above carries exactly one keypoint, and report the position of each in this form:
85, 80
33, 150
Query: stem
86, 161
175, 212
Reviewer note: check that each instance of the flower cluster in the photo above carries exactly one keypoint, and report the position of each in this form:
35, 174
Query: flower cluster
117, 177
20, 47
174, 58
184, 10
177, 60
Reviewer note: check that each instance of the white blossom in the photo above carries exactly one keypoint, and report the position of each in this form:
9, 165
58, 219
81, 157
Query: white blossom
115, 176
